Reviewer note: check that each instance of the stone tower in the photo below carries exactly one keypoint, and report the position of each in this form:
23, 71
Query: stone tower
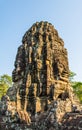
42, 67
41, 85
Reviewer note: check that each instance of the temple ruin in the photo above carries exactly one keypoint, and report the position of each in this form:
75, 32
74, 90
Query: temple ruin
41, 77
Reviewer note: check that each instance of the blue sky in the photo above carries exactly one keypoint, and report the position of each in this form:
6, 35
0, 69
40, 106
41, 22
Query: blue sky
17, 16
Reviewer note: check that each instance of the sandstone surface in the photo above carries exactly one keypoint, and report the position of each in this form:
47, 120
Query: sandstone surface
41, 97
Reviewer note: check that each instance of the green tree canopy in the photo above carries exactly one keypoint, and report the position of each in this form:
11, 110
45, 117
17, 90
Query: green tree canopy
77, 86
5, 83
71, 76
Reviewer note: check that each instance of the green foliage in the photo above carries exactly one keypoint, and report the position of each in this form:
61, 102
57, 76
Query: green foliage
77, 86
71, 76
5, 83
